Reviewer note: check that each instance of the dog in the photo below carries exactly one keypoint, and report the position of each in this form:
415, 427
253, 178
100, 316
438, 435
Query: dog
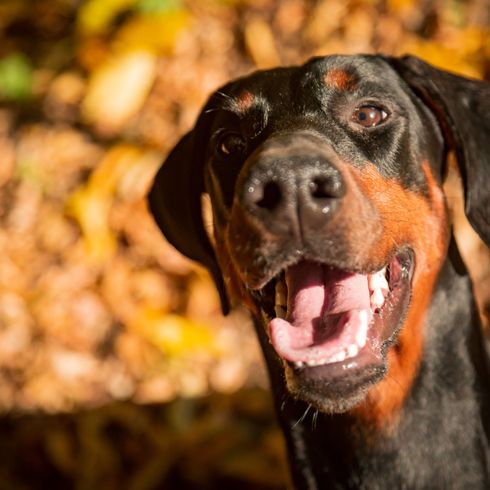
331, 226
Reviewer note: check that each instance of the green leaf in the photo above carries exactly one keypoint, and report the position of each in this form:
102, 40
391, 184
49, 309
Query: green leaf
15, 77
158, 6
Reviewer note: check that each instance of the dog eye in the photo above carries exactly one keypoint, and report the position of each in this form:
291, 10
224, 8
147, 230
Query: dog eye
231, 144
369, 116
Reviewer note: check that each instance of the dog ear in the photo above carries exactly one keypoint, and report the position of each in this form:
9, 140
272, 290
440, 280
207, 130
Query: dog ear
175, 202
462, 107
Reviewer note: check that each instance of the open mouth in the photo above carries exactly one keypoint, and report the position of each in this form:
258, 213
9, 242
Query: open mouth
320, 315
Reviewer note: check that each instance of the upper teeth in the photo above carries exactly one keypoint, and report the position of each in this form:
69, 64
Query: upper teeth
378, 288
280, 311
281, 299
378, 280
281, 293
361, 336
377, 283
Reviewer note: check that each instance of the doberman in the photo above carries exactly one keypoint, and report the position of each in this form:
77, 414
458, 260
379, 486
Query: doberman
331, 226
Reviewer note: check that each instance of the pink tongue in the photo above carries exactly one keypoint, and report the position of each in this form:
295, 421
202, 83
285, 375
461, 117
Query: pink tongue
318, 299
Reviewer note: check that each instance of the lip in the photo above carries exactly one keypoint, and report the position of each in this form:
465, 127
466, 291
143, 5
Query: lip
362, 363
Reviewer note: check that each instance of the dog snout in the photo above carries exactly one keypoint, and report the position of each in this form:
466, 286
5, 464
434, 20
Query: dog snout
292, 193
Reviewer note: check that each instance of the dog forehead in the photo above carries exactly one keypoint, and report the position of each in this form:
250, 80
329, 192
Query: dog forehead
321, 96
360, 74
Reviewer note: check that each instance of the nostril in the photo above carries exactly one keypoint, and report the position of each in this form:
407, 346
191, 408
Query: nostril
318, 189
325, 188
271, 196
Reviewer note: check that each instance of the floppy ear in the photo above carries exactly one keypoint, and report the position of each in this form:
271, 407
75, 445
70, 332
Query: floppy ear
462, 107
175, 202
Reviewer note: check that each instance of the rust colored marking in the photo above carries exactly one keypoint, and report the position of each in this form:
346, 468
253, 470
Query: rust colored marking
420, 222
234, 285
380, 216
245, 101
340, 79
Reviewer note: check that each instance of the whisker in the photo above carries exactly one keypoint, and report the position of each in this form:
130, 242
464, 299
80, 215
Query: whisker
284, 401
222, 94
212, 109
314, 419
302, 417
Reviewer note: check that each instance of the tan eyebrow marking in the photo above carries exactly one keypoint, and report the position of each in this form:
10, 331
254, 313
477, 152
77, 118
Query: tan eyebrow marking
245, 101
340, 79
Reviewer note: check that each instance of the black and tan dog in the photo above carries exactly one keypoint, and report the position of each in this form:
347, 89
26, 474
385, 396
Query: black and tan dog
330, 224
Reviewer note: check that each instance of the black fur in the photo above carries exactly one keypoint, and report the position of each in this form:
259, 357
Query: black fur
441, 436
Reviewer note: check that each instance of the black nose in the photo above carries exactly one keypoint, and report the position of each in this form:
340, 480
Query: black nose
292, 193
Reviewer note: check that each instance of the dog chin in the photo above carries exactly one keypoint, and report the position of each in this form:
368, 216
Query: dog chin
333, 396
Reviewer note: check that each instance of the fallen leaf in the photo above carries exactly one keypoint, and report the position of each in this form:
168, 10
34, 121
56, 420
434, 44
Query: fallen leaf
156, 33
260, 43
174, 334
15, 77
95, 16
118, 89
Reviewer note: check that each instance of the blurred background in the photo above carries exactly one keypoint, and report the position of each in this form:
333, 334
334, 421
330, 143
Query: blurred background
116, 368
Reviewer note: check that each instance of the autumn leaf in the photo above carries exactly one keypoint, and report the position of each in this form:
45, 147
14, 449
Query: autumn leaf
15, 77
156, 32
442, 56
90, 206
95, 16
118, 89
174, 334
260, 43
125, 171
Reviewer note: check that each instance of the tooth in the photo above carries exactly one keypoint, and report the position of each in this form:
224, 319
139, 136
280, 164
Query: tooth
352, 350
299, 364
281, 293
280, 311
363, 316
339, 357
315, 362
377, 298
361, 336
378, 281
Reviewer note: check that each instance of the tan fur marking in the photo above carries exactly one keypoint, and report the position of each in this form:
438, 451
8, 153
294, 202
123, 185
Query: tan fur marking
245, 101
340, 79
234, 286
377, 217
411, 219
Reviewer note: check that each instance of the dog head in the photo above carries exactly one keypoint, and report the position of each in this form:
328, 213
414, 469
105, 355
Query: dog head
329, 217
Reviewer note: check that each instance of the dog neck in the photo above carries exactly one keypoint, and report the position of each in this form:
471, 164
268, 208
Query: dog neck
341, 451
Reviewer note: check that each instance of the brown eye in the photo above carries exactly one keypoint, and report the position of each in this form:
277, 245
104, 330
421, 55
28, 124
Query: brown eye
369, 116
231, 144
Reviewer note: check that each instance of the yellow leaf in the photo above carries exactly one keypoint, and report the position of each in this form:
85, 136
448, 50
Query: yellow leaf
443, 57
173, 334
261, 44
118, 89
469, 40
95, 16
125, 169
156, 33
90, 207
138, 175
111, 169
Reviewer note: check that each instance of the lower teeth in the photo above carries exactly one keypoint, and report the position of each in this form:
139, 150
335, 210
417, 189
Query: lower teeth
351, 351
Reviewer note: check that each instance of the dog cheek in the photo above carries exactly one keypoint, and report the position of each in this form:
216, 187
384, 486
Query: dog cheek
420, 222
234, 285
357, 228
409, 218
